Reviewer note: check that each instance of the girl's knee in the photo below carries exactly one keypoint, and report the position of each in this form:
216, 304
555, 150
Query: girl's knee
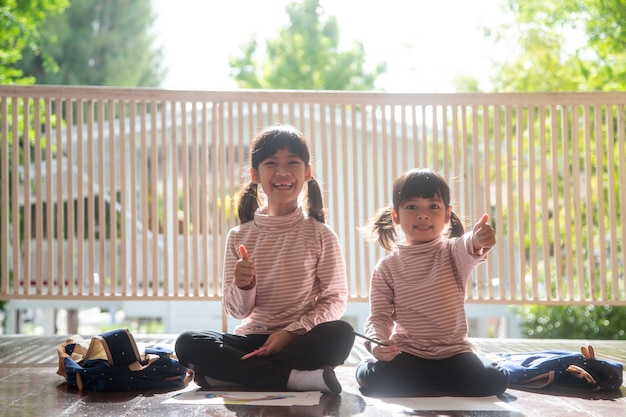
363, 374
342, 330
502, 380
191, 342
344, 326
182, 344
494, 382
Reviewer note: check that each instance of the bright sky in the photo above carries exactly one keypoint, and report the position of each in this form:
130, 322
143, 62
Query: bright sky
425, 43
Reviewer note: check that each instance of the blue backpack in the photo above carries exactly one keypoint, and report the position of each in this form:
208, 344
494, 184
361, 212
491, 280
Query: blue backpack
560, 369
112, 362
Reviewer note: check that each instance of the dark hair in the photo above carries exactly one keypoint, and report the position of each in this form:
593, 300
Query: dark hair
415, 183
266, 143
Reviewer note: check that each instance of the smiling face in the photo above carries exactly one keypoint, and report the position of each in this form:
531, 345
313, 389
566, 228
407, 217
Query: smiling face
422, 219
282, 177
421, 205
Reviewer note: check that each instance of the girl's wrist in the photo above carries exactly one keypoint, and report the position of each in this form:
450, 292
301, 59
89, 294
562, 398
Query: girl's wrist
478, 249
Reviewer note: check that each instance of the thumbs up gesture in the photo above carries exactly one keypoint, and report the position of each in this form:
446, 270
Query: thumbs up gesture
483, 235
245, 271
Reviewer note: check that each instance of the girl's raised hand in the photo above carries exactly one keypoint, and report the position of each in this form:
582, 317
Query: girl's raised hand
484, 237
245, 271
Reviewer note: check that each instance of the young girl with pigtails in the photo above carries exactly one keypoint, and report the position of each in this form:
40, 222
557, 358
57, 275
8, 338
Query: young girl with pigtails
284, 277
417, 297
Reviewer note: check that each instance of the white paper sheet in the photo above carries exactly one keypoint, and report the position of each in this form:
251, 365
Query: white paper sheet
441, 403
246, 398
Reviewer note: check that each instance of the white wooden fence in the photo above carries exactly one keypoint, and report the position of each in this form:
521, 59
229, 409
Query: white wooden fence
123, 194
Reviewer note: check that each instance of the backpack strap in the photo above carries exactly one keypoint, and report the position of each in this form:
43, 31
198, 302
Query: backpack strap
119, 345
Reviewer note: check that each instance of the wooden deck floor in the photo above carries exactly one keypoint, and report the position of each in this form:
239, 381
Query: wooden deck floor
29, 386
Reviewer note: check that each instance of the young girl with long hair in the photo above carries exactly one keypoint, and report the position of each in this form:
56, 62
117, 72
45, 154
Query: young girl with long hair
417, 297
284, 277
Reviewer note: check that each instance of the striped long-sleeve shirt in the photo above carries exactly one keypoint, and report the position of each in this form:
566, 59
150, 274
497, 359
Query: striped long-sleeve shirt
300, 274
416, 300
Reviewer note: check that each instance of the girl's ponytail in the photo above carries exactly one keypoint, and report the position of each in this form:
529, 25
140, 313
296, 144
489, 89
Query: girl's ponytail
456, 227
383, 229
248, 202
315, 202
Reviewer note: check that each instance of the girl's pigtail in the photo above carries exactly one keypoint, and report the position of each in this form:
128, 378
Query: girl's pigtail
248, 202
456, 227
384, 229
315, 202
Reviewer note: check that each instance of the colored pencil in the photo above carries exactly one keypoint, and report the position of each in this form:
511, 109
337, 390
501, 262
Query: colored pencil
370, 339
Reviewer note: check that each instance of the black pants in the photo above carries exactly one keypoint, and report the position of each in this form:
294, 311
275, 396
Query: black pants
218, 355
462, 375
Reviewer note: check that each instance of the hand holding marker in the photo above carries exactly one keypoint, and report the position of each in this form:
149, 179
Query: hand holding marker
254, 352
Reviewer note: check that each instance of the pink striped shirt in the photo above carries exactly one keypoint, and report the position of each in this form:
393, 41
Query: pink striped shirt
416, 300
300, 274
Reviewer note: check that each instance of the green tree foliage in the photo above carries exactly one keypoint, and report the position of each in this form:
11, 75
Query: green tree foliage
100, 43
573, 322
466, 84
20, 30
305, 56
564, 45
569, 45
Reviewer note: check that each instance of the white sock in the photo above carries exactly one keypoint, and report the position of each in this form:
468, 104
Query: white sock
323, 379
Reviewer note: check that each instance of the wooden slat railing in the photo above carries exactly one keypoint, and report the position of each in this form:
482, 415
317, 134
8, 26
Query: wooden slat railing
128, 193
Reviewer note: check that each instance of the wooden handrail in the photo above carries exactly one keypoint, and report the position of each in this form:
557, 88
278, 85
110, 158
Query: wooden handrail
128, 193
